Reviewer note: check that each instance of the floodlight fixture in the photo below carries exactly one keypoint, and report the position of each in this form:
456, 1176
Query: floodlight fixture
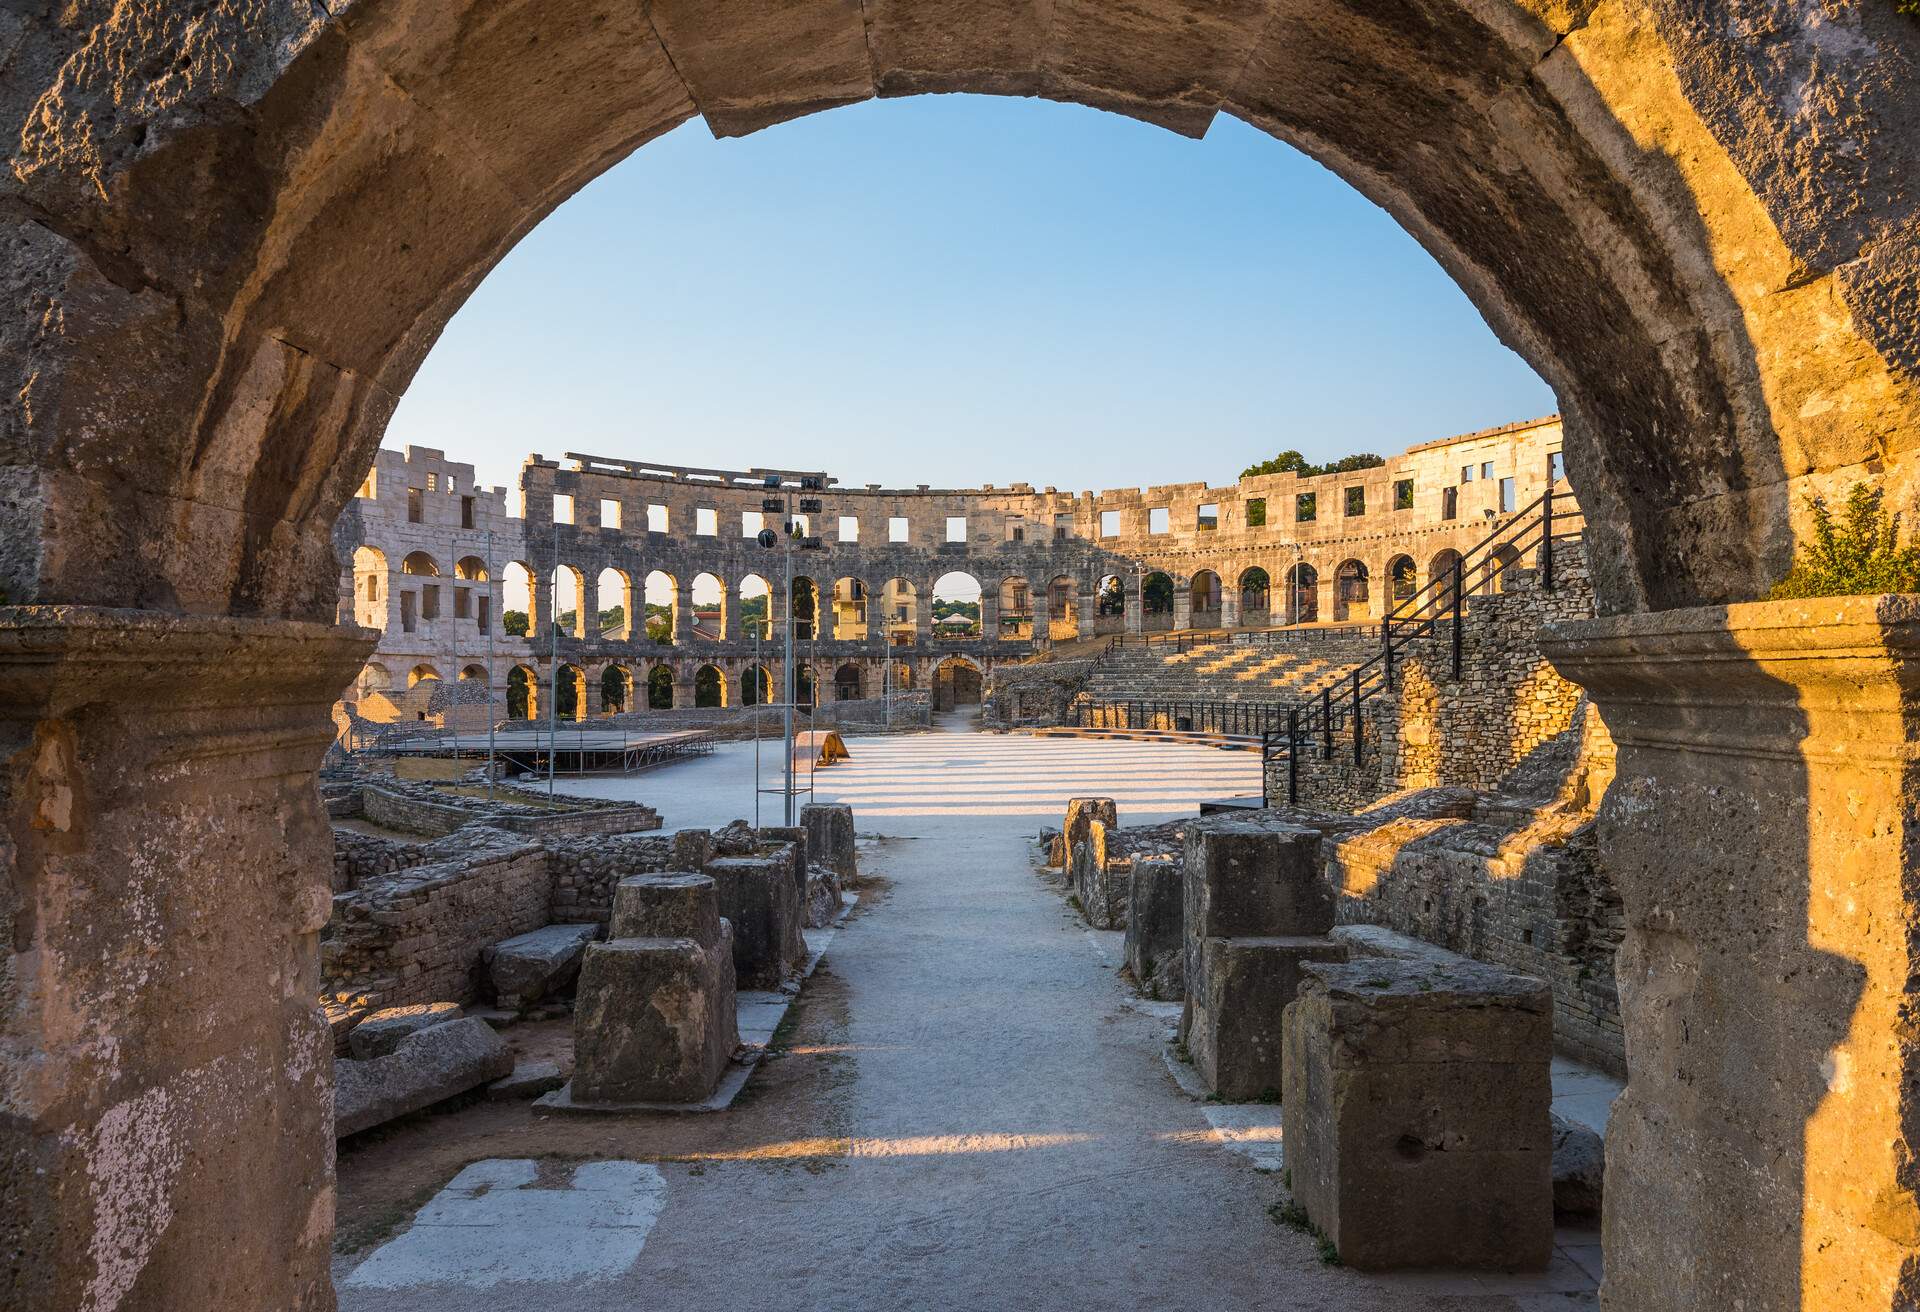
772, 505
768, 538
812, 483
809, 506
772, 480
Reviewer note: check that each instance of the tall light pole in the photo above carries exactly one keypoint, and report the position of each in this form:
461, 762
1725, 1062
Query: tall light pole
782, 505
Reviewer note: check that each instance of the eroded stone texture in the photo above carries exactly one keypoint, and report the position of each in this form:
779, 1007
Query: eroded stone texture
428, 1066
830, 837
655, 1019
527, 967
1156, 940
1246, 879
1761, 830
824, 898
1100, 881
383, 1031
758, 898
1235, 1006
1081, 812
1415, 1113
163, 878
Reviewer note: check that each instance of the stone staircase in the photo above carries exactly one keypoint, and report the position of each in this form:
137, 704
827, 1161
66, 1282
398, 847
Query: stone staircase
1228, 671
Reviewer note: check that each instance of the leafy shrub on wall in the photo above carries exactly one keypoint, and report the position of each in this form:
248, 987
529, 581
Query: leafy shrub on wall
1855, 554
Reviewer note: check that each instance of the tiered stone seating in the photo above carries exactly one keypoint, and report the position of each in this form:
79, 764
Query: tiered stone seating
1228, 671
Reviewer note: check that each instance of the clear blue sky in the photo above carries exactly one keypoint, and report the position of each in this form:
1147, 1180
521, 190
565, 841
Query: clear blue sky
959, 290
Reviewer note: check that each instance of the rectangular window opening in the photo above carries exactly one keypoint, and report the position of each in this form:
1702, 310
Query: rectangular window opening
1556, 465
1109, 523
466, 512
1450, 503
1306, 507
562, 508
706, 522
1486, 470
656, 519
609, 514
751, 522
1356, 501
897, 528
1207, 518
849, 528
1256, 512
956, 528
1159, 519
1403, 494
1506, 496
413, 505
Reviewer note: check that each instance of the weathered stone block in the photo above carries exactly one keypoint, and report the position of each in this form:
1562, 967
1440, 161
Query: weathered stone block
1099, 882
758, 897
1415, 1113
830, 837
1236, 1000
824, 898
1255, 880
527, 967
1579, 1169
527, 1081
671, 905
1155, 948
1053, 847
429, 1065
792, 841
382, 1032
1081, 812
655, 1019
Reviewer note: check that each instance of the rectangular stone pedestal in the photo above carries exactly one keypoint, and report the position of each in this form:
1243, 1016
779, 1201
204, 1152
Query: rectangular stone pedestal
1415, 1112
1236, 1004
759, 896
1156, 948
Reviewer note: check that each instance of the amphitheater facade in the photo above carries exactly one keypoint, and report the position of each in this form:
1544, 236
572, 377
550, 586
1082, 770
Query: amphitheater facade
426, 553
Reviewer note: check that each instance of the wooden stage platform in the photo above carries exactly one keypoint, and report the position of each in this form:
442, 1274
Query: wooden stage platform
573, 751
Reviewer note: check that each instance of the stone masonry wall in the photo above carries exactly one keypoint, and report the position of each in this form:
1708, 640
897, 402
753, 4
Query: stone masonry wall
416, 935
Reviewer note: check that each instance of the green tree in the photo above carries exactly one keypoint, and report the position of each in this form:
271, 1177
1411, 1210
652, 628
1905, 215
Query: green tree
1292, 462
660, 626
515, 622
1856, 555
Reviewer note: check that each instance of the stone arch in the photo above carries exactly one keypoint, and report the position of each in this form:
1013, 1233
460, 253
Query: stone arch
958, 601
660, 687
1256, 597
523, 693
804, 607
1624, 190
803, 684
756, 608
1440, 572
570, 600
1156, 601
849, 609
709, 597
756, 686
613, 605
1499, 571
662, 599
616, 689
422, 564
1352, 592
421, 673
1015, 598
1204, 595
471, 568
709, 686
957, 682
517, 584
1303, 593
1110, 603
903, 612
848, 681
570, 693
468, 673
1063, 608
1403, 579
370, 587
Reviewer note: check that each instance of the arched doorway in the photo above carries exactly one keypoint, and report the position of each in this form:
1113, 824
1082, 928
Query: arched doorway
523, 693
846, 683
616, 689
1402, 579
709, 686
956, 684
660, 688
1352, 592
956, 606
756, 686
1156, 602
1724, 328
1063, 608
1256, 598
1203, 600
1303, 594
570, 693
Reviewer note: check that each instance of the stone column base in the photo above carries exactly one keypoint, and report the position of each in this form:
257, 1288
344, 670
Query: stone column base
1762, 829
164, 872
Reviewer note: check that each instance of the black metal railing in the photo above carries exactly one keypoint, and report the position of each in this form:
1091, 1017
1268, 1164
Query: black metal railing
1184, 715
1334, 712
